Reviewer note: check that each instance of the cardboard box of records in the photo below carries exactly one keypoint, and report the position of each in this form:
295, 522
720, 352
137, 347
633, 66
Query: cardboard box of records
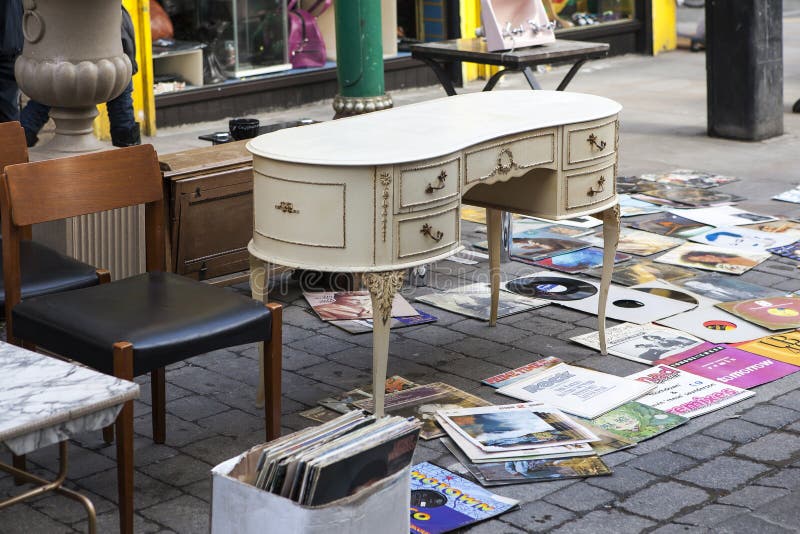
351, 493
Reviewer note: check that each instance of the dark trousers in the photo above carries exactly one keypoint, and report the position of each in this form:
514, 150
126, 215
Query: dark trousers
9, 92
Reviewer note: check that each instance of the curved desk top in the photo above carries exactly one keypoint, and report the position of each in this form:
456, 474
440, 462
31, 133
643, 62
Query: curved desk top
412, 132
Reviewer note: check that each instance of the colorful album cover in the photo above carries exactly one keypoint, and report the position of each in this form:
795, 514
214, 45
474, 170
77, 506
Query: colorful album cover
729, 365
784, 347
792, 195
686, 394
631, 184
789, 251
555, 231
693, 196
636, 422
669, 224
514, 375
724, 288
643, 243
474, 300
538, 248
473, 214
744, 239
422, 403
631, 207
726, 260
689, 178
663, 202
581, 221
643, 343
579, 261
442, 501
343, 403
722, 216
362, 326
645, 271
341, 305
714, 325
608, 442
775, 313
320, 414
523, 471
780, 226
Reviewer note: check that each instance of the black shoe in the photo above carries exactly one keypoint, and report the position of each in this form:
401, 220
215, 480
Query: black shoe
30, 138
122, 137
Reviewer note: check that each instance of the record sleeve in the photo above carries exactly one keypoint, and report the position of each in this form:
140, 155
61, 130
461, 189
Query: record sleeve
778, 313
579, 260
723, 288
711, 258
743, 239
714, 325
634, 273
784, 347
722, 216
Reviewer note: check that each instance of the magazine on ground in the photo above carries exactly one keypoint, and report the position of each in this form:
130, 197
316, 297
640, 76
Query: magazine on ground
779, 226
639, 242
478, 455
635, 422
724, 288
347, 305
576, 390
422, 402
722, 216
789, 251
784, 347
344, 403
686, 394
743, 239
514, 375
712, 258
442, 501
729, 365
362, 326
530, 249
515, 426
474, 300
669, 224
631, 207
526, 471
643, 343
689, 178
693, 196
633, 273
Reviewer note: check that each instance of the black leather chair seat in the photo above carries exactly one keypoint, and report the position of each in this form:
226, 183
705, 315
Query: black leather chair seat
166, 317
46, 271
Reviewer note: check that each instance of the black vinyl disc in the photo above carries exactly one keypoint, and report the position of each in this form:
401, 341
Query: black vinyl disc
552, 288
668, 293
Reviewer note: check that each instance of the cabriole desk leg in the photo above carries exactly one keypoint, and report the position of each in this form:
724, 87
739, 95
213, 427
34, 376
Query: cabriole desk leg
610, 240
259, 289
494, 231
382, 288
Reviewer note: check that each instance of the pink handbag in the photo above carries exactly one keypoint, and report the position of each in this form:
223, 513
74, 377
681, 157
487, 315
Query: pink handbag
306, 46
510, 24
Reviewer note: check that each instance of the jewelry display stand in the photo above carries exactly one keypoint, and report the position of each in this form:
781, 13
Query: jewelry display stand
510, 24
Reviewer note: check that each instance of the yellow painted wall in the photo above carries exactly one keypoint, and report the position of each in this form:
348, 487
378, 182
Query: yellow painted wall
665, 35
143, 100
471, 19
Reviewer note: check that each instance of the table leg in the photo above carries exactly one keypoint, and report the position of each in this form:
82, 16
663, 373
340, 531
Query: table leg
611, 218
259, 290
441, 74
123, 368
570, 74
494, 230
382, 288
528, 72
494, 79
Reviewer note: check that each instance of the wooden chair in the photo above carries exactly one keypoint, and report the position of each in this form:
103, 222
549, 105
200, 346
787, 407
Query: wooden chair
44, 270
132, 326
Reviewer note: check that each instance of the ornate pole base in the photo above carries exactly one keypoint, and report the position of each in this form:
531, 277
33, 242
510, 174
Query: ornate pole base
346, 106
73, 131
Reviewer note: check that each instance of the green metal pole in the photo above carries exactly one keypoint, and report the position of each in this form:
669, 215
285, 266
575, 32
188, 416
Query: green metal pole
359, 58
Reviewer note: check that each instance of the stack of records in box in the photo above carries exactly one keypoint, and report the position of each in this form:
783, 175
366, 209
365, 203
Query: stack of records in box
321, 464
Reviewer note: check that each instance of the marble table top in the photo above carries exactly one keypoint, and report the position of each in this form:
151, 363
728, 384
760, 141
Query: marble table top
44, 400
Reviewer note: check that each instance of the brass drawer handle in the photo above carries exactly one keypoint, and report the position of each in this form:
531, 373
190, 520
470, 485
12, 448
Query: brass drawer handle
592, 139
427, 230
441, 178
286, 207
600, 187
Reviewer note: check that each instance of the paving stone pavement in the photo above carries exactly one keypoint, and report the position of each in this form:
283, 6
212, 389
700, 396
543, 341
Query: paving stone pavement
734, 470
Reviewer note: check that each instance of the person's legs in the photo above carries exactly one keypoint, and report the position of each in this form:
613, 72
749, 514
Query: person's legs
9, 92
33, 117
124, 128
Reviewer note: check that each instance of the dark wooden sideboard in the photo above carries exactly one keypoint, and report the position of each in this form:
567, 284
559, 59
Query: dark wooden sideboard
209, 195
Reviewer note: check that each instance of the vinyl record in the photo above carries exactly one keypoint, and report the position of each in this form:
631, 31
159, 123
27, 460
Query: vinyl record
668, 293
775, 313
552, 288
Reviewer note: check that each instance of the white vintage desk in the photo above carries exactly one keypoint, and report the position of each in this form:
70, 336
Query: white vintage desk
379, 193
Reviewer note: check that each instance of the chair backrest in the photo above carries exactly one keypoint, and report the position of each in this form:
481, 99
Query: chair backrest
13, 148
55, 189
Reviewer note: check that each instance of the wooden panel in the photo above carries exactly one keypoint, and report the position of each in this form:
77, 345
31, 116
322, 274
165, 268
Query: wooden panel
301, 212
500, 158
589, 143
13, 148
442, 232
201, 161
590, 187
89, 183
428, 183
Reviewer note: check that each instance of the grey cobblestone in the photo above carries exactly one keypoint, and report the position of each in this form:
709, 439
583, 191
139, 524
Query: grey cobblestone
477, 348
753, 496
775, 447
538, 517
747, 524
663, 500
675, 528
179, 470
737, 431
321, 345
712, 515
771, 416
184, 514
294, 359
784, 512
194, 407
790, 400
786, 478
723, 473
663, 463
623, 481
580, 497
700, 447
611, 521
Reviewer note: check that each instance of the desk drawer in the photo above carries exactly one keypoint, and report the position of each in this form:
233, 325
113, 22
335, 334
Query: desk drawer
582, 189
431, 232
499, 159
425, 184
590, 141
300, 212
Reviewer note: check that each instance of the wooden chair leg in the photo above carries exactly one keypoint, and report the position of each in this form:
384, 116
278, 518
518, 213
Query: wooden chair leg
123, 368
18, 461
271, 373
158, 389
108, 434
